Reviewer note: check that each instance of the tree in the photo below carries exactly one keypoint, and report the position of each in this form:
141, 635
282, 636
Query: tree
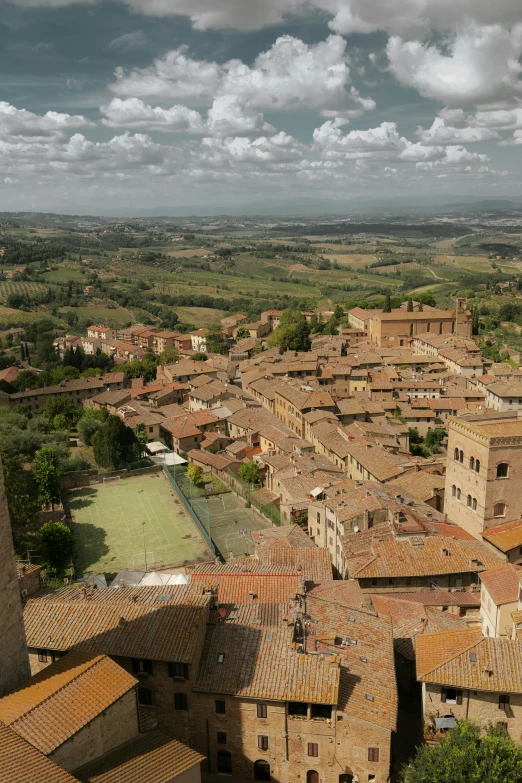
22, 352
409, 309
22, 499
62, 406
421, 307
55, 544
475, 321
217, 342
141, 436
87, 427
249, 472
242, 333
60, 422
114, 444
467, 756
387, 304
292, 334
46, 474
195, 473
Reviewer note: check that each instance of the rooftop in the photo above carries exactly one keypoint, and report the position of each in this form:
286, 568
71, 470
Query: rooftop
57, 702
502, 583
505, 537
20, 762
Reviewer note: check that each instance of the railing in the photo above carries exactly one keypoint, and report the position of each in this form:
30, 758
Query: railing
205, 534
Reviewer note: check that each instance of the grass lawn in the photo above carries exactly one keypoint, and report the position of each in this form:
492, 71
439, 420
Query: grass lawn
201, 316
107, 523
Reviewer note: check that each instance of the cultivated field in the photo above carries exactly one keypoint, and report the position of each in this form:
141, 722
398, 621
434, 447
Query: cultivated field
117, 316
107, 523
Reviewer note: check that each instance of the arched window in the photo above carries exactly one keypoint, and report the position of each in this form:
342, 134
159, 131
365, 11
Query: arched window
472, 463
224, 762
499, 510
477, 466
461, 456
428, 328
502, 470
469, 501
453, 490
474, 504
411, 330
458, 494
261, 770
456, 455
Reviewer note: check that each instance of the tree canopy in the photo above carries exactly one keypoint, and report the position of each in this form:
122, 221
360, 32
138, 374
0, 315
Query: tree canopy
249, 472
467, 756
114, 444
292, 334
55, 544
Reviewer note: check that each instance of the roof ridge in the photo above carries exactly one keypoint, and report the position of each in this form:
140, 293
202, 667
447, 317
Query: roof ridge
96, 659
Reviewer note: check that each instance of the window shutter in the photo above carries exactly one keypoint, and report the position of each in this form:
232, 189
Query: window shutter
459, 697
373, 754
443, 695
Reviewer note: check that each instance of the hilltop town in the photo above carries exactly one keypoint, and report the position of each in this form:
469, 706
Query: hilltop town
347, 584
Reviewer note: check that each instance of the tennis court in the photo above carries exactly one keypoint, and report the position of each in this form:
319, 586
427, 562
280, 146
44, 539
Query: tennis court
107, 523
231, 524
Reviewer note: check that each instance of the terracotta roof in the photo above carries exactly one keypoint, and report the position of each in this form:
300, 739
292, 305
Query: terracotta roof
346, 592
428, 556
364, 645
21, 763
240, 565
502, 583
505, 537
131, 622
252, 588
56, 703
291, 536
314, 564
260, 661
422, 486
466, 659
463, 598
150, 758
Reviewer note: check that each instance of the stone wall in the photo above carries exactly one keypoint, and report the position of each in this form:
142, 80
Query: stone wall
15, 660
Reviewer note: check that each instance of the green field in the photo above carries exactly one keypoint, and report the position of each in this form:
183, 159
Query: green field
109, 316
107, 523
201, 316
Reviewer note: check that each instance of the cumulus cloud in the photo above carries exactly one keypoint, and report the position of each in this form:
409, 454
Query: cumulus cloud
442, 134
22, 123
455, 157
383, 142
481, 64
290, 74
134, 113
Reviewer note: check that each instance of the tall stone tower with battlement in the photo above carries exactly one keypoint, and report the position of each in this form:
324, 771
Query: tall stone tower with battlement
14, 659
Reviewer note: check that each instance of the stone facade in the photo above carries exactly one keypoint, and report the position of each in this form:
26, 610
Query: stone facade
15, 661
480, 494
482, 706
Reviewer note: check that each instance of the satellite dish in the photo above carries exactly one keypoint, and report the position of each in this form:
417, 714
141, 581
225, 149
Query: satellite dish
356, 529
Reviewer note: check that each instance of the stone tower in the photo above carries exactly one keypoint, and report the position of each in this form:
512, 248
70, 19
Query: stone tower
463, 320
14, 659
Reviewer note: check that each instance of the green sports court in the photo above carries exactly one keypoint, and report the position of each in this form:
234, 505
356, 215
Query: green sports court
107, 523
231, 523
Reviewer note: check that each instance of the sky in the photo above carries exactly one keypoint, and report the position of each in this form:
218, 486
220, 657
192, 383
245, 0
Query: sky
138, 104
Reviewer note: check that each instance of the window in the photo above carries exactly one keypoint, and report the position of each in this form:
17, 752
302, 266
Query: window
477, 466
472, 463
456, 455
474, 504
440, 328
469, 501
373, 754
221, 658
224, 762
141, 666
42, 656
411, 330
318, 518
321, 712
502, 470
499, 510
313, 749
453, 490
221, 738
262, 742
458, 493
297, 709
145, 697
180, 701
221, 707
178, 670
428, 327
450, 696
461, 456
262, 710
391, 581
503, 701
261, 770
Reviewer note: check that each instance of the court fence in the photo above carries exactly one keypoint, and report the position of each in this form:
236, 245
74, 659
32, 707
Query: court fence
180, 487
255, 496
